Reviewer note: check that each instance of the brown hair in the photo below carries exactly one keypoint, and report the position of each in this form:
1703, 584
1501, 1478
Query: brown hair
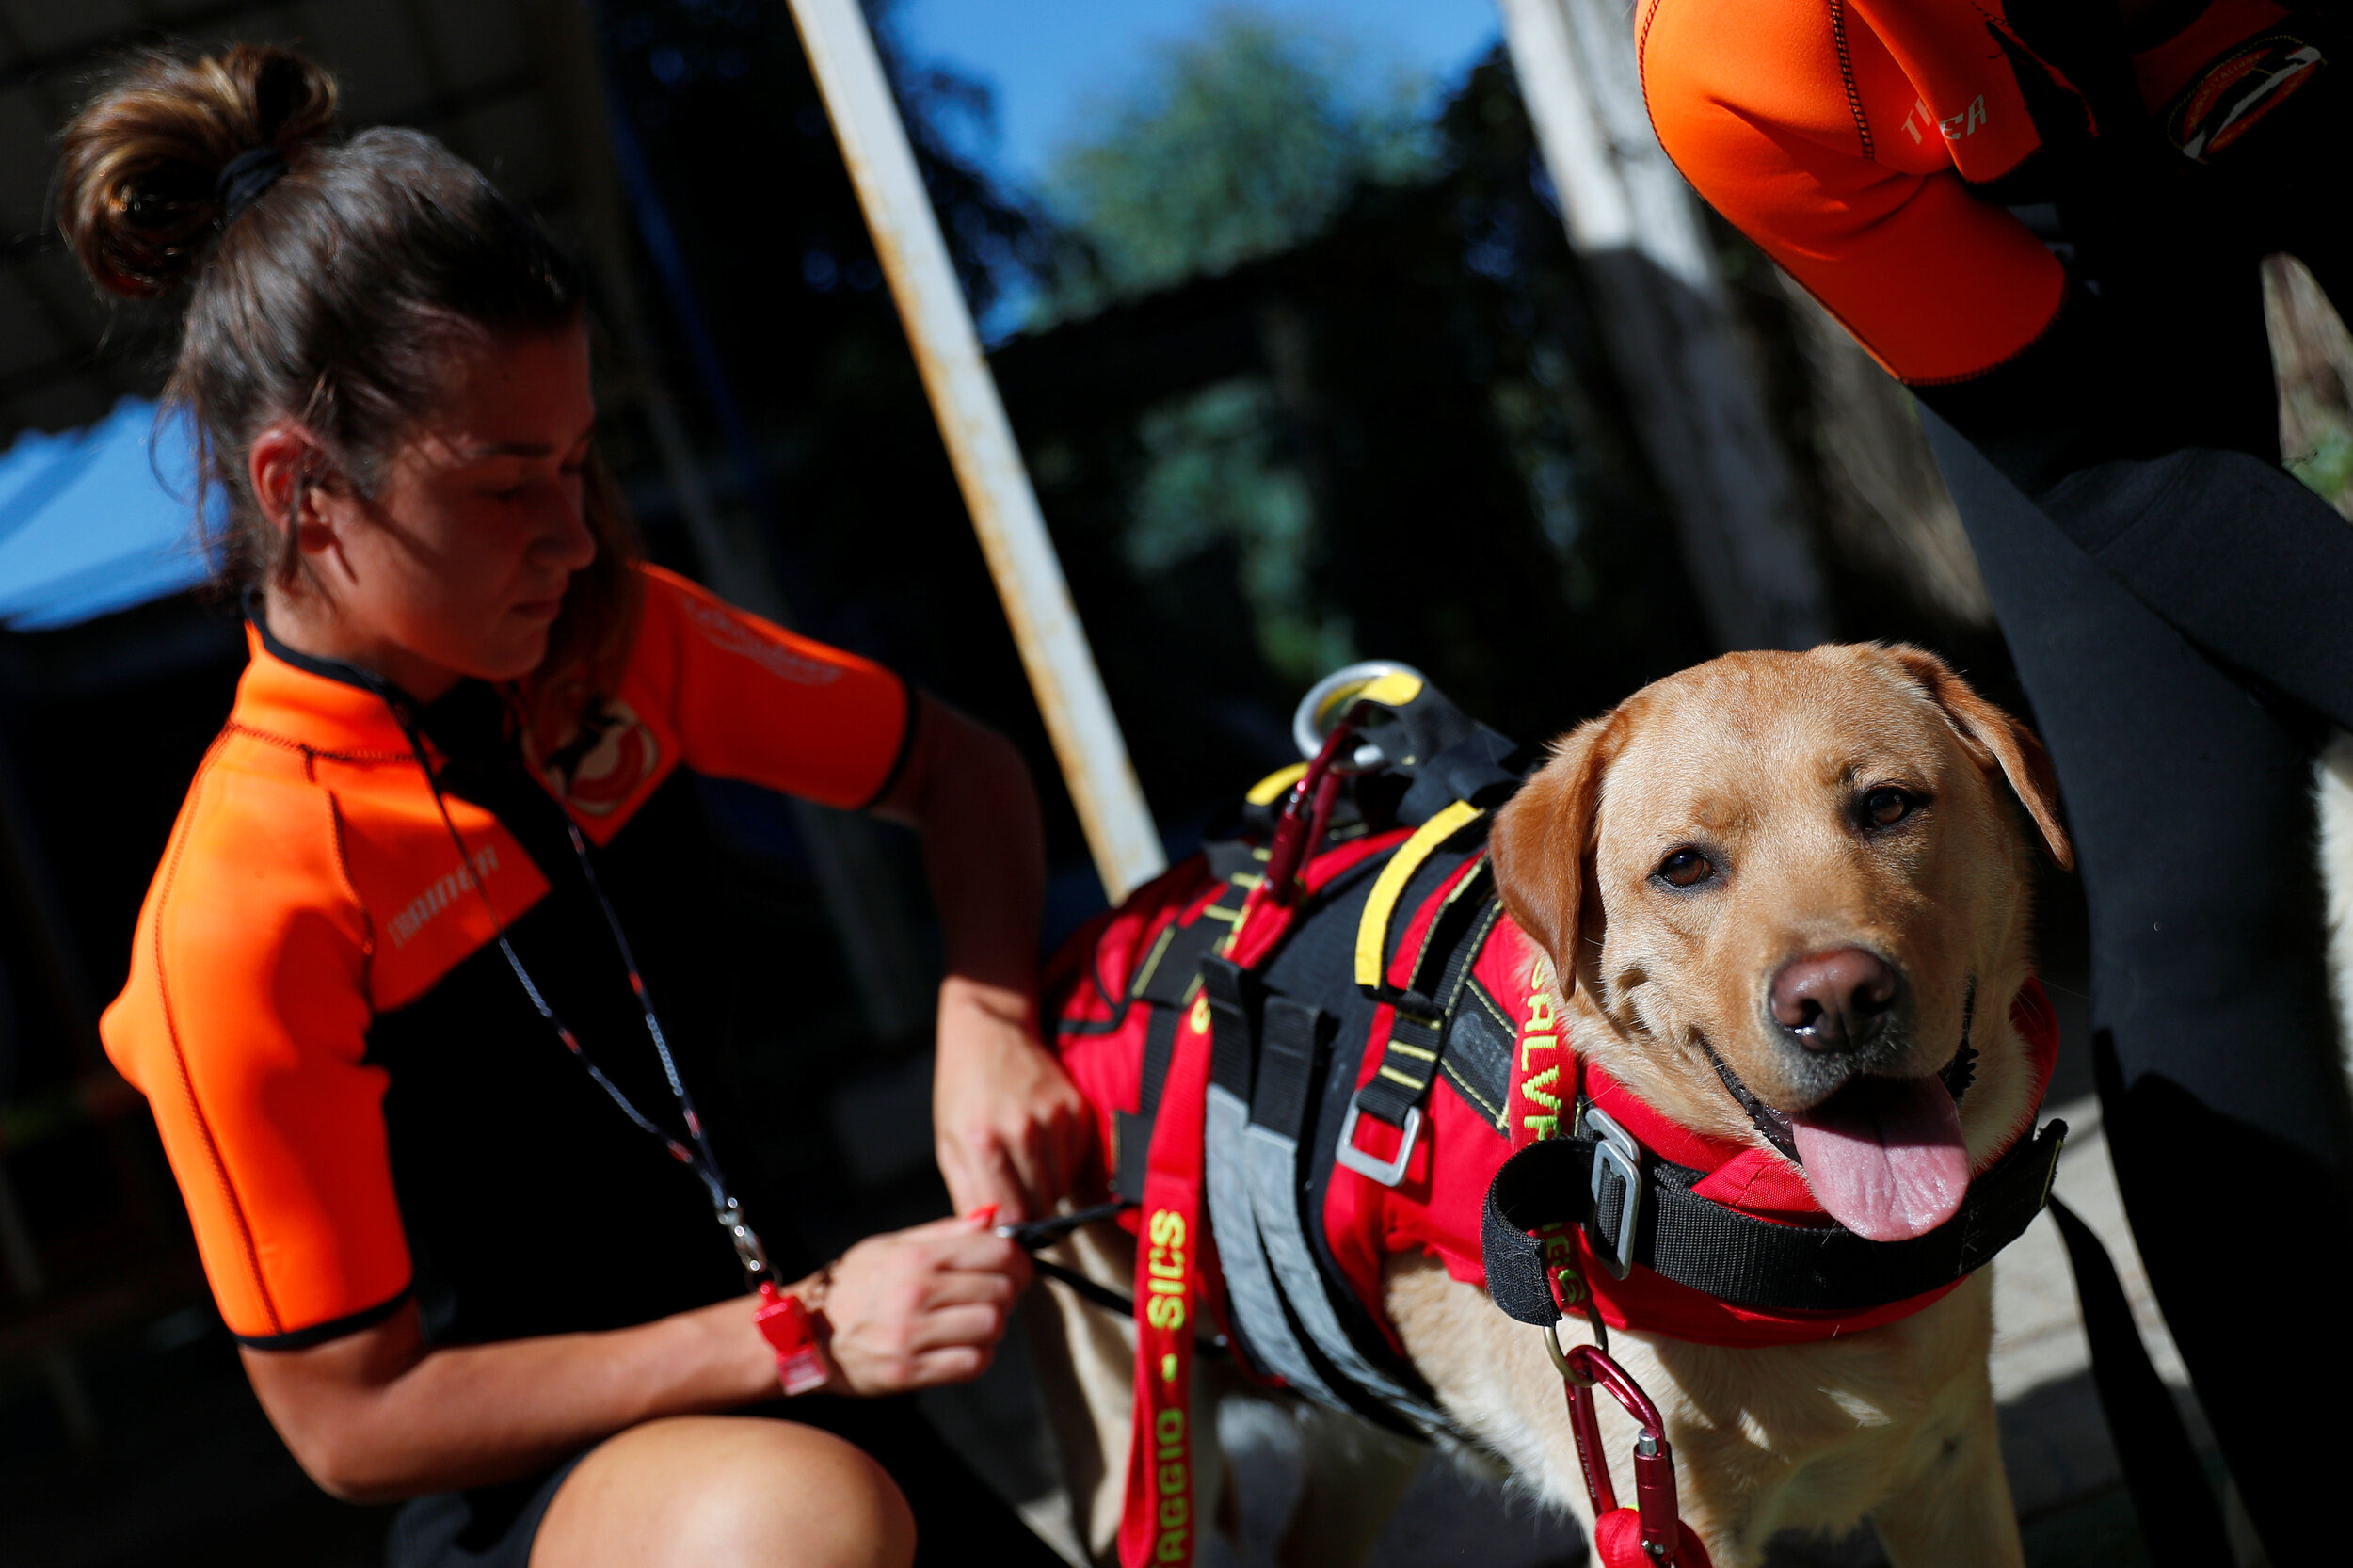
332, 296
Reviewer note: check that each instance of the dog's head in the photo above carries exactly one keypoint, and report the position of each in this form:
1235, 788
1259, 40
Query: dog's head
1785, 887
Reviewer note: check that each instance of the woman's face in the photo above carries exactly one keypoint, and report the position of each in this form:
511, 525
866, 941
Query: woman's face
457, 564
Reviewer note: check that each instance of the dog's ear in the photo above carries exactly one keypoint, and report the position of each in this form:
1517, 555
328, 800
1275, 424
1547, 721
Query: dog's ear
1544, 838
1994, 738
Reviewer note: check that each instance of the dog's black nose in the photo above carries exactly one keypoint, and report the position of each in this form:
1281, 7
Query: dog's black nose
1834, 1000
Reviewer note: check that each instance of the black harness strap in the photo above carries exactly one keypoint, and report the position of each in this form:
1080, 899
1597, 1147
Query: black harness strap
1735, 1256
1412, 1057
2179, 1519
1477, 1060
1232, 860
1167, 981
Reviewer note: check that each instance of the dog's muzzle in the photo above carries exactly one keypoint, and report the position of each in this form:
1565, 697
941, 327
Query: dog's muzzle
1773, 1125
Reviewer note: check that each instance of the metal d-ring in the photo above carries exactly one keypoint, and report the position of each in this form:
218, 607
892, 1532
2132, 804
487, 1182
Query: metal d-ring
1560, 1358
1327, 700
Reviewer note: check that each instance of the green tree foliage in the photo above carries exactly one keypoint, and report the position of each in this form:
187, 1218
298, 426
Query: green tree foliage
1216, 474
1238, 143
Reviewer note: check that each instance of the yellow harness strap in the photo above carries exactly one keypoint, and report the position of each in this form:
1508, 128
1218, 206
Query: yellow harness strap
1372, 931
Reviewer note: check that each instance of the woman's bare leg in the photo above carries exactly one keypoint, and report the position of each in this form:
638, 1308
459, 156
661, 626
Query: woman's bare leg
726, 1491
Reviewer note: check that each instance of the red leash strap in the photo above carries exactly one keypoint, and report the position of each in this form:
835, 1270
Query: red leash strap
1157, 1524
1650, 1534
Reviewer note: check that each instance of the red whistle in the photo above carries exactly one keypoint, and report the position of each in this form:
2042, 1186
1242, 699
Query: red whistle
792, 1332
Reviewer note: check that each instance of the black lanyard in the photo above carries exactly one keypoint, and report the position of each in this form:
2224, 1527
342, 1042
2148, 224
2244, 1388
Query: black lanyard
699, 1158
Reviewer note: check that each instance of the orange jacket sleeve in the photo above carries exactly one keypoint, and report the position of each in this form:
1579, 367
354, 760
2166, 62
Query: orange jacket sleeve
1768, 111
243, 1022
749, 700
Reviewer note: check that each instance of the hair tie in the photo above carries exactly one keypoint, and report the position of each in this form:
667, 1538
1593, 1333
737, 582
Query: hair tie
246, 176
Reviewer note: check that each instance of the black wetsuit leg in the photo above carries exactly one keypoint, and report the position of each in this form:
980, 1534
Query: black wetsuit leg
2214, 1040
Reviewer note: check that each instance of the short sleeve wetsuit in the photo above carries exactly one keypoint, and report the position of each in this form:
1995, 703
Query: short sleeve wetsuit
2049, 227
360, 1103
2048, 230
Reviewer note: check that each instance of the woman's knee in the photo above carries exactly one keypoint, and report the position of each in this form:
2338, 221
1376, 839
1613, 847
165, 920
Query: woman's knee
790, 1494
723, 1491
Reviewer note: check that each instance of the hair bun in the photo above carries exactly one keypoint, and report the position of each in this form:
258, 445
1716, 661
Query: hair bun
139, 183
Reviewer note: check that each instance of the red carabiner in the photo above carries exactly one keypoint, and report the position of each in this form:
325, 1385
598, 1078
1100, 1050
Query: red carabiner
1297, 834
1655, 1536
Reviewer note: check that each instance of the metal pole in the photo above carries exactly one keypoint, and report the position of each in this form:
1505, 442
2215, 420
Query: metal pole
1671, 338
1004, 509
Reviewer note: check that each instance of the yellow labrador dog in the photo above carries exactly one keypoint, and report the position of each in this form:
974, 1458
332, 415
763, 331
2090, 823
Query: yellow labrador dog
1799, 866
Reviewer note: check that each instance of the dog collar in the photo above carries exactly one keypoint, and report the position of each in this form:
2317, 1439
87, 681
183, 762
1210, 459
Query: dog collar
1630, 1187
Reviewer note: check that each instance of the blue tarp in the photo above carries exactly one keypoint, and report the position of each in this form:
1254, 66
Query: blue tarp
96, 521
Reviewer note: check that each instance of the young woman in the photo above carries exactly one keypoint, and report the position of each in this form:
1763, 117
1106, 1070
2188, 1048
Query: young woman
2046, 217
428, 983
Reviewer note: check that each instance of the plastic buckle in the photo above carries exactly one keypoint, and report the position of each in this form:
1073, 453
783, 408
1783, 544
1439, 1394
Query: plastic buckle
1388, 1172
1615, 1148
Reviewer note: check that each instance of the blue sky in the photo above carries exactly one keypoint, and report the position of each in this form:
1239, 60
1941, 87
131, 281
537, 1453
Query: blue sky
88, 524
1044, 59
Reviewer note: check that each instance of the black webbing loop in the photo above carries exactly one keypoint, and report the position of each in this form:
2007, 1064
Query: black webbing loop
1411, 1057
1292, 1037
1167, 981
1735, 1256
1234, 995
2181, 1523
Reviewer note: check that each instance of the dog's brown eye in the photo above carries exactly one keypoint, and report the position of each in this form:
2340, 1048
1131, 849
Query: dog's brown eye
1684, 867
1886, 807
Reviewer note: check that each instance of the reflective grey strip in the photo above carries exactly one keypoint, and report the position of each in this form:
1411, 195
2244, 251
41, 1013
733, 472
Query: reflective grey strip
1249, 1286
1272, 1162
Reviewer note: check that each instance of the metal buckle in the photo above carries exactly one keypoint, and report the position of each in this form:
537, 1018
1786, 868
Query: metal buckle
1613, 1148
1387, 1173
748, 1252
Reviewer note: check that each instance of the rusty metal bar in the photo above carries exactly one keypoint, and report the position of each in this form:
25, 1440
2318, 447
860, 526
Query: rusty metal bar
1054, 644
1696, 405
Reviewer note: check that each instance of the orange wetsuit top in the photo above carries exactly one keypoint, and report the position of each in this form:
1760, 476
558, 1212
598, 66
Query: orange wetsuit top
2049, 227
358, 1099
1873, 147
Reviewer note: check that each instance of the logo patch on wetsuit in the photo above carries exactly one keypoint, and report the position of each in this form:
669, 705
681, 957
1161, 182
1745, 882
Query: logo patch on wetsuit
414, 915
609, 772
2235, 92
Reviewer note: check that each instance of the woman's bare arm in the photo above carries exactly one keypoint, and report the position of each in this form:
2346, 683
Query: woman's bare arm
378, 1414
381, 1415
1011, 1128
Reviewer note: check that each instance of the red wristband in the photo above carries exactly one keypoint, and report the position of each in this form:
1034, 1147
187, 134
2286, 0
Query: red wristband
791, 1330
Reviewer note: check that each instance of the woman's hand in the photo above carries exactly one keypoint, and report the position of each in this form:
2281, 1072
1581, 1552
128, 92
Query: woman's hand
1010, 1128
920, 1308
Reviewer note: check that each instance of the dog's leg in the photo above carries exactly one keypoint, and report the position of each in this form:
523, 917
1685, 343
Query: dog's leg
1492, 1375
1353, 1475
1958, 1508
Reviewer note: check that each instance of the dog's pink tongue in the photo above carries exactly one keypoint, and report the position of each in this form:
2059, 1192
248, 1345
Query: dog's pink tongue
1885, 1157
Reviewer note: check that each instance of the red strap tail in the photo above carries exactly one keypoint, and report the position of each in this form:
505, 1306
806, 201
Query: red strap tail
1157, 1524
